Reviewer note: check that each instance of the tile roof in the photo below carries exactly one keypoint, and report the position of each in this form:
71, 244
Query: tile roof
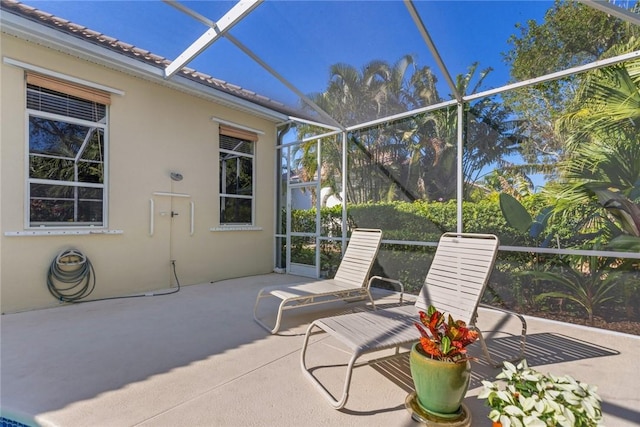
139, 54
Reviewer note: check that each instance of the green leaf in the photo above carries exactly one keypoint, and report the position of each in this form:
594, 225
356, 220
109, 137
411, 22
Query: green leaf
445, 345
514, 213
625, 243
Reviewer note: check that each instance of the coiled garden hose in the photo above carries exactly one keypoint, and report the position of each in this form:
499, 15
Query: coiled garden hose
71, 276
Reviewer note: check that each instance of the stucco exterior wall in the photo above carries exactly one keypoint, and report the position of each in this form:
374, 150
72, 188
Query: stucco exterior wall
152, 130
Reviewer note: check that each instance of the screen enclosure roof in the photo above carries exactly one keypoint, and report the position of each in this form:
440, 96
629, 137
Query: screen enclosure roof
291, 53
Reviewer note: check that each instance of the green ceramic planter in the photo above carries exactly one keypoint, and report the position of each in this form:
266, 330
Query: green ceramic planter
440, 386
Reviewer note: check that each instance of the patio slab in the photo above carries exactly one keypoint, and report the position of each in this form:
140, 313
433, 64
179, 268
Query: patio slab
197, 358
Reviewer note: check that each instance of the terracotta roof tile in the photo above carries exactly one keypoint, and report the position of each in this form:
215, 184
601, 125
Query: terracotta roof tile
137, 53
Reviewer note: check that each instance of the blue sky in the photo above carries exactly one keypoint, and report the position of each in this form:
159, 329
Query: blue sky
301, 39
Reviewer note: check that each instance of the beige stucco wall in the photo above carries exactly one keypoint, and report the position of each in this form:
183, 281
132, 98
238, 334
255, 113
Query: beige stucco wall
152, 130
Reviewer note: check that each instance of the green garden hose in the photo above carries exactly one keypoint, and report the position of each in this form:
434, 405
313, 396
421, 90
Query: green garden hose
71, 276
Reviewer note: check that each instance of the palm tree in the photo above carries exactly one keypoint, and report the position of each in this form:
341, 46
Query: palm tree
413, 158
603, 164
489, 135
588, 281
356, 96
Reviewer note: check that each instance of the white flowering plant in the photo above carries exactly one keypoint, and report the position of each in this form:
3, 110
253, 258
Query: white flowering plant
532, 399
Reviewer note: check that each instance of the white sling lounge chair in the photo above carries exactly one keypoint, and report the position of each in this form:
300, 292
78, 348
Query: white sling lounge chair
349, 284
455, 282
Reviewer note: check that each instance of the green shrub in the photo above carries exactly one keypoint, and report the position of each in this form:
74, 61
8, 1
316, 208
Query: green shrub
423, 222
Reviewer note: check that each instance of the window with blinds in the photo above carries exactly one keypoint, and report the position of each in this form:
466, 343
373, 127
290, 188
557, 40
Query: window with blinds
236, 178
46, 100
67, 162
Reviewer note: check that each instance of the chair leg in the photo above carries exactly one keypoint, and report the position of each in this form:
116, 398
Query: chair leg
335, 403
485, 350
523, 338
279, 316
373, 304
276, 327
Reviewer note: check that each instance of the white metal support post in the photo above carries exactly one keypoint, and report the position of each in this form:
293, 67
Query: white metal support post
231, 18
460, 175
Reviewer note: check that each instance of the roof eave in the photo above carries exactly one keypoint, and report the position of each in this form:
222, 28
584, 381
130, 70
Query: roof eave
43, 35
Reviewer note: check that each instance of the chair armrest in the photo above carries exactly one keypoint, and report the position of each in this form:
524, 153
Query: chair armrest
512, 313
392, 281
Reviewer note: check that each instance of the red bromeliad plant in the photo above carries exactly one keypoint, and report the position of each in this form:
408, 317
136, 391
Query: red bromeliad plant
444, 340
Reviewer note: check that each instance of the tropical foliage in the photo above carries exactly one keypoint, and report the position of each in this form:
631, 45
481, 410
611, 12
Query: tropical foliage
579, 135
589, 281
444, 338
603, 145
561, 41
532, 399
407, 159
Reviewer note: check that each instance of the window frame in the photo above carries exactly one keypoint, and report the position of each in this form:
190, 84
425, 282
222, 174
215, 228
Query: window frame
103, 125
222, 186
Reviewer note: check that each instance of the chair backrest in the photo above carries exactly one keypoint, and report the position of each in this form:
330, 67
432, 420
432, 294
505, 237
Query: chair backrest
459, 274
358, 259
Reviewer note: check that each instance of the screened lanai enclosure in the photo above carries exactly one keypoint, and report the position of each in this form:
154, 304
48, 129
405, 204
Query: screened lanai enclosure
517, 118
549, 161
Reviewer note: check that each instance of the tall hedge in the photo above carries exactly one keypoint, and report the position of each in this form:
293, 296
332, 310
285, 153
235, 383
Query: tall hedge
422, 223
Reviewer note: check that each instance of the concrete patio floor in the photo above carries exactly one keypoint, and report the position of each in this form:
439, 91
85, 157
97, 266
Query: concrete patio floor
197, 358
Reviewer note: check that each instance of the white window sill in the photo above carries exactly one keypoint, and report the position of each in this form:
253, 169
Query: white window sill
59, 232
237, 228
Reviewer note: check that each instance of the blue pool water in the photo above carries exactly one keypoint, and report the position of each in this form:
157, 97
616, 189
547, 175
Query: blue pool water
11, 419
6, 422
